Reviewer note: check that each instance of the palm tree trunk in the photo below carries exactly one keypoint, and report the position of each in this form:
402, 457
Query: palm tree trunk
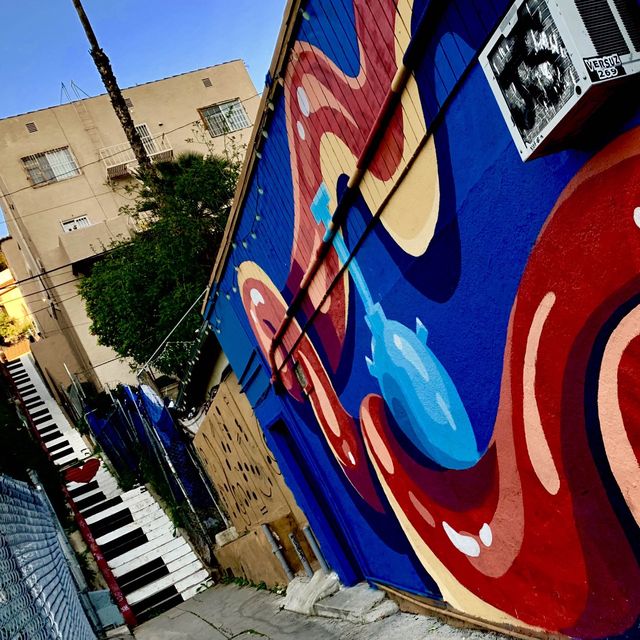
111, 85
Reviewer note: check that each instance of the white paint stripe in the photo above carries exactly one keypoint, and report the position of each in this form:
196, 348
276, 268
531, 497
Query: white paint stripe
146, 548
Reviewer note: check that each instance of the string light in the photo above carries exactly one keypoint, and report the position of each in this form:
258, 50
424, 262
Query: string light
251, 234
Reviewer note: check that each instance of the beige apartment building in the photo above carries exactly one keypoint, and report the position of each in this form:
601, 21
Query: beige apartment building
63, 177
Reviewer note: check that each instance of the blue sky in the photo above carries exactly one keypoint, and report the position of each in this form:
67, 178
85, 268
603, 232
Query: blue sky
43, 44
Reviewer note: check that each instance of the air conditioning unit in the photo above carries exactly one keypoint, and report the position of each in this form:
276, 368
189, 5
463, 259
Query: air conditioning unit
550, 63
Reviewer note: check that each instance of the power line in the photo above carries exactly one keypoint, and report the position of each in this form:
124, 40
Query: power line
40, 291
54, 302
62, 266
95, 366
186, 313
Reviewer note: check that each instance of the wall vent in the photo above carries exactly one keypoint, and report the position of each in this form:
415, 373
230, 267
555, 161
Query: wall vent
128, 102
31, 127
207, 82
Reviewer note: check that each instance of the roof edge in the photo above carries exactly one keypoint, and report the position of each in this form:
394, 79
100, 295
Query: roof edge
129, 88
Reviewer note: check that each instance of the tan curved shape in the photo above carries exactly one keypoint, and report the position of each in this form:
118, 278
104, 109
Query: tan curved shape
537, 445
620, 454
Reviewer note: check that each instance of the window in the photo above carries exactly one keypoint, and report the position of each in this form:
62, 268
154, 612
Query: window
225, 117
51, 166
75, 223
147, 139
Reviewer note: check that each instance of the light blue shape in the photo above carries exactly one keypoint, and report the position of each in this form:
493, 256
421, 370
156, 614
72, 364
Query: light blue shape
420, 393
414, 384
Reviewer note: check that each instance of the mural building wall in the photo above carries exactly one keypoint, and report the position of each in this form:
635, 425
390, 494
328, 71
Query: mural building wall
454, 398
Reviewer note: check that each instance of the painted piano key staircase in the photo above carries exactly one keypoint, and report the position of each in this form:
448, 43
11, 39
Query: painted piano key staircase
151, 566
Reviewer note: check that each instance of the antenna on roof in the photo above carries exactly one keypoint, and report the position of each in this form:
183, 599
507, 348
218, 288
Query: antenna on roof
64, 91
77, 90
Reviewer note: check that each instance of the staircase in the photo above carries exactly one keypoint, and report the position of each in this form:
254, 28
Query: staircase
154, 567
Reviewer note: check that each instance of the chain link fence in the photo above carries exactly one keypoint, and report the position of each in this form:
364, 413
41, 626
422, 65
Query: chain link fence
38, 596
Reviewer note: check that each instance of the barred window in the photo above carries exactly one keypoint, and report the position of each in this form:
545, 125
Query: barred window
51, 166
225, 117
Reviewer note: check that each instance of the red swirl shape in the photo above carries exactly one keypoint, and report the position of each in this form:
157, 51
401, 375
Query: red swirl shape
265, 307
321, 100
530, 530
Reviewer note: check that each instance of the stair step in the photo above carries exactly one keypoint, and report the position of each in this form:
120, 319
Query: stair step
172, 549
160, 524
161, 601
150, 547
353, 603
176, 578
385, 609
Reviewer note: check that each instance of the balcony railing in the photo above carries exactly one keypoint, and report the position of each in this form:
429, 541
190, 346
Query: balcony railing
119, 159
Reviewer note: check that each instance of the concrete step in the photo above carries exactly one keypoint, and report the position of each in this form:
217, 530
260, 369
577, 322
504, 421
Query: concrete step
175, 548
303, 593
385, 609
360, 604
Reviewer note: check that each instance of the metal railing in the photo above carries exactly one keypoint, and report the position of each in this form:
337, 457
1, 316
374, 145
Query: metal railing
119, 159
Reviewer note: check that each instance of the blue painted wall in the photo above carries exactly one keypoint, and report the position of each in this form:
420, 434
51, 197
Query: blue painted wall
521, 289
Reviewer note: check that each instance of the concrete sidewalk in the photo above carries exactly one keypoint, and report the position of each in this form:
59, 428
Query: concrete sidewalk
227, 612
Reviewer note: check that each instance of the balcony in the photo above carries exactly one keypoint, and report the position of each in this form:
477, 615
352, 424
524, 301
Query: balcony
87, 242
119, 159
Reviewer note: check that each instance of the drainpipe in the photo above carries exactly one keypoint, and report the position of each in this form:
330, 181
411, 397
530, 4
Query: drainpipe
277, 551
315, 547
300, 553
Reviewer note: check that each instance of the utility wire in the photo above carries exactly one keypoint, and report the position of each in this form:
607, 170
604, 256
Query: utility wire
187, 312
40, 291
62, 266
95, 366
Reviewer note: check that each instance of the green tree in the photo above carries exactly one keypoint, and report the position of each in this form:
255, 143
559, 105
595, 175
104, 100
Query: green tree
12, 330
137, 292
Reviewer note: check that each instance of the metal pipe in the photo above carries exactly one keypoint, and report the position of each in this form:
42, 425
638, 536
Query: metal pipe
386, 112
315, 547
372, 143
300, 553
277, 551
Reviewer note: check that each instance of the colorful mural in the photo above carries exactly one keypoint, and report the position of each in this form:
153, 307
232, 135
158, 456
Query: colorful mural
455, 332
